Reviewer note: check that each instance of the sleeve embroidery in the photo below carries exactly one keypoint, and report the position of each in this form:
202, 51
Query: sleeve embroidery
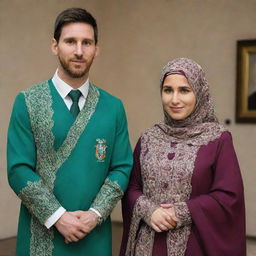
183, 214
39, 200
107, 198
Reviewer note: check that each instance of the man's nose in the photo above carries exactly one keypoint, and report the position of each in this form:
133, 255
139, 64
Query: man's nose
79, 49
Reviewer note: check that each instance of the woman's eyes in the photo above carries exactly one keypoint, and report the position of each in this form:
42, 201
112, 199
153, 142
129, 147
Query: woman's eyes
181, 90
184, 90
167, 90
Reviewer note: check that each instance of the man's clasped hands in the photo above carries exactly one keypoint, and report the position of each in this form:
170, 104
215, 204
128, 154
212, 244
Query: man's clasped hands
76, 225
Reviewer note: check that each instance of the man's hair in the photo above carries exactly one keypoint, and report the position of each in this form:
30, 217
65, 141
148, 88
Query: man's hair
72, 15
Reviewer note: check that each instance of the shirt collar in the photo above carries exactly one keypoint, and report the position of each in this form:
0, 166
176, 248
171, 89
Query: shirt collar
63, 88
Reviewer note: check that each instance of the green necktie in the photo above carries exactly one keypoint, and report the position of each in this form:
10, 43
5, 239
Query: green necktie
75, 95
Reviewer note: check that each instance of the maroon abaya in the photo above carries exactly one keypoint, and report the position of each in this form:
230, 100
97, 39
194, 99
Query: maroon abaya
216, 204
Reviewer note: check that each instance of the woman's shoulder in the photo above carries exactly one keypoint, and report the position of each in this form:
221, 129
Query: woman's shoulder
223, 141
224, 137
152, 131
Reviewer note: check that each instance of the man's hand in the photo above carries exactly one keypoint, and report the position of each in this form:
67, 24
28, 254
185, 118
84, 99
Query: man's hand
71, 227
163, 218
88, 218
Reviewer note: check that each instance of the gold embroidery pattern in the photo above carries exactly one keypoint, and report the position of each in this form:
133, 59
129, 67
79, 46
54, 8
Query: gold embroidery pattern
107, 198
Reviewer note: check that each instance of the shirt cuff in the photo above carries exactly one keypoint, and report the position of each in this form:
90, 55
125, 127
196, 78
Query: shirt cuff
54, 217
97, 212
183, 215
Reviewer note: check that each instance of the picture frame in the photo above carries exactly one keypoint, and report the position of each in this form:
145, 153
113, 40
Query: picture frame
246, 81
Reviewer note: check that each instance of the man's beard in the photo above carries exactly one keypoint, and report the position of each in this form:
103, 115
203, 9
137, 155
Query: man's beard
72, 73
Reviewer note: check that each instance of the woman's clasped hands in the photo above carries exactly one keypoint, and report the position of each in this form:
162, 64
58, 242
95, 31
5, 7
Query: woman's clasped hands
163, 218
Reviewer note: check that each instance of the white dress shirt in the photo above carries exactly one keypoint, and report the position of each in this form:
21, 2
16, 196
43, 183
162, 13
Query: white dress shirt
64, 89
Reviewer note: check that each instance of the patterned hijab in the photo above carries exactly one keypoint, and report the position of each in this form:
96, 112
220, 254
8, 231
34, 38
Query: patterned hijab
202, 120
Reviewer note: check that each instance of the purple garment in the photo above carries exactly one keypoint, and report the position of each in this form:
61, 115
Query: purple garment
216, 203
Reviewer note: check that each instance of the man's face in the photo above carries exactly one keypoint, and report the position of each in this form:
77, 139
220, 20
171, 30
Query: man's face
76, 50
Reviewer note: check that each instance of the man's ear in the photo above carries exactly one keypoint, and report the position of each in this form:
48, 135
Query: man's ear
97, 50
54, 46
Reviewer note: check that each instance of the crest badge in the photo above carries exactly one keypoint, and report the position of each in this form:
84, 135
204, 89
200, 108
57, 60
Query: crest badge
101, 150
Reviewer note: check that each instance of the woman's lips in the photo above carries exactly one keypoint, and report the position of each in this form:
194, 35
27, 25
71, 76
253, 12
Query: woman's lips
176, 109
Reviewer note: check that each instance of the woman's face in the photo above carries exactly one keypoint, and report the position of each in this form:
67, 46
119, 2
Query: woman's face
178, 97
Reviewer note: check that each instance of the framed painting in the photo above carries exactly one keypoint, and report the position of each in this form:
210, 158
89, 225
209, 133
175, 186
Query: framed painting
246, 81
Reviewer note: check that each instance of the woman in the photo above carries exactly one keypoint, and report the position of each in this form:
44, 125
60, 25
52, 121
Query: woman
185, 195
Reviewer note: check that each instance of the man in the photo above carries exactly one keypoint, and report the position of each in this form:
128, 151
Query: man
69, 156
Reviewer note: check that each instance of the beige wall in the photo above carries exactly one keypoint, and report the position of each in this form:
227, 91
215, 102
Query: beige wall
136, 38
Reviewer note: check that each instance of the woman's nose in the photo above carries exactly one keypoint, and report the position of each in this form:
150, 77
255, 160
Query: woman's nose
175, 98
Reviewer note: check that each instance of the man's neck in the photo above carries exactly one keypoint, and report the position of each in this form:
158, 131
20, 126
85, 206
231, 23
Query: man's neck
73, 82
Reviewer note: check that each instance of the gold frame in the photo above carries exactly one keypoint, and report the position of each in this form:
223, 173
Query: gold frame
243, 113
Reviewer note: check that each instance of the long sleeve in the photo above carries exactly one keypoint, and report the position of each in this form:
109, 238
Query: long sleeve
135, 200
21, 165
134, 194
119, 171
183, 214
219, 215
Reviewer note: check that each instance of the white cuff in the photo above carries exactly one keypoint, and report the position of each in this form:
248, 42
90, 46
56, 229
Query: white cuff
54, 217
94, 210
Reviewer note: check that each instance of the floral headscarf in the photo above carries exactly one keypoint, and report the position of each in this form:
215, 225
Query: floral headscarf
202, 119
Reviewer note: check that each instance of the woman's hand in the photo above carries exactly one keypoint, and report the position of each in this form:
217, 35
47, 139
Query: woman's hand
171, 211
163, 218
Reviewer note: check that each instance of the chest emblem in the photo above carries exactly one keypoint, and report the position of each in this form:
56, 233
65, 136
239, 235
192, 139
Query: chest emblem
101, 150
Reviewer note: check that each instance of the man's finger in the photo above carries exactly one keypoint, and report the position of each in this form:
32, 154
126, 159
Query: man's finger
80, 234
73, 238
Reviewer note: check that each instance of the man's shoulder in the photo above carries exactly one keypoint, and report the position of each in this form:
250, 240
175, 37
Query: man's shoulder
36, 88
22, 95
104, 95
